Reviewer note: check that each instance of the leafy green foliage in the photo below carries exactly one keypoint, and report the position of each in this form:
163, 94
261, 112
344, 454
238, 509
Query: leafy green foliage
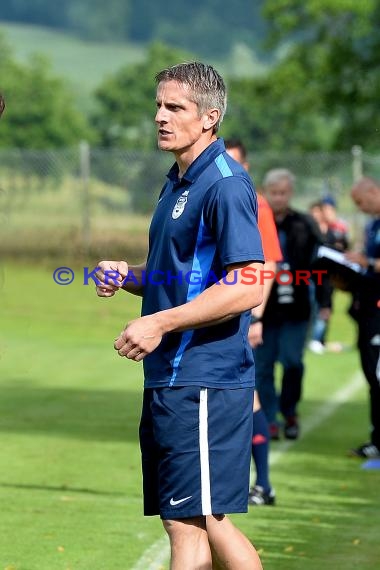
99, 19
213, 26
321, 95
263, 111
337, 45
39, 112
126, 100
82, 63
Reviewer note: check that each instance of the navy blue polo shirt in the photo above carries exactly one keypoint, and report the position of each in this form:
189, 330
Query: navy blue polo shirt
370, 287
372, 239
203, 222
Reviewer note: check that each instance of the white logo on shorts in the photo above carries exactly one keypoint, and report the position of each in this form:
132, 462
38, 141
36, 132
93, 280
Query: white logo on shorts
174, 503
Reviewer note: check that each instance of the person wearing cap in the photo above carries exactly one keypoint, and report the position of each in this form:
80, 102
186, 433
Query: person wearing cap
337, 226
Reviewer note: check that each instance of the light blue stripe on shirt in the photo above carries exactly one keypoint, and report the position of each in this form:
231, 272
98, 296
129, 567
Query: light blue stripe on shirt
203, 257
224, 169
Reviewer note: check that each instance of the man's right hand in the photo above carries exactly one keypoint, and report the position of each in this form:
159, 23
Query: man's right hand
111, 275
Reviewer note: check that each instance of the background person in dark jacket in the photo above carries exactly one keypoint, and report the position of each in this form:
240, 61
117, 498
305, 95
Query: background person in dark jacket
287, 312
322, 299
337, 226
366, 195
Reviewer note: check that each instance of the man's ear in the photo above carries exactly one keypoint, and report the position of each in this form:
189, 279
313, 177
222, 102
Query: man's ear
211, 117
373, 190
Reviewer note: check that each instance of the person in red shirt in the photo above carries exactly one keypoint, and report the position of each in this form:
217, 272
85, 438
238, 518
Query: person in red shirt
261, 493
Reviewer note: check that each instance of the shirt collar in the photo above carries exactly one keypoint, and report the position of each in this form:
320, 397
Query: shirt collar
200, 163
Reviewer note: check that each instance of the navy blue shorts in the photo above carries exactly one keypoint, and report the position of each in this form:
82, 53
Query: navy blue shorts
196, 450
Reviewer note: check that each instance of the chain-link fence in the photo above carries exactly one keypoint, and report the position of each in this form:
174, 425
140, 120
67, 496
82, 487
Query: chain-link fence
98, 201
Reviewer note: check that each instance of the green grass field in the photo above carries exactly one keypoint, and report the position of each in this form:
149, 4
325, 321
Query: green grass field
70, 489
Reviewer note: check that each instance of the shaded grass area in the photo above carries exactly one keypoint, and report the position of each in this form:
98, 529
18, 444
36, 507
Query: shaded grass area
70, 469
70, 484
327, 514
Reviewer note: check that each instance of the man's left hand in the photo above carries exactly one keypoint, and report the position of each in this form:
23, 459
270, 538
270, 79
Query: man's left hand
356, 257
139, 338
255, 334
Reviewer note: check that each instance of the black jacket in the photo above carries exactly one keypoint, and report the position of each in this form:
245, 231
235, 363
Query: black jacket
299, 238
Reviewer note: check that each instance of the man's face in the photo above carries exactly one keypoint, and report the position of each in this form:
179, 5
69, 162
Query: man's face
278, 195
179, 124
317, 214
329, 212
236, 154
368, 201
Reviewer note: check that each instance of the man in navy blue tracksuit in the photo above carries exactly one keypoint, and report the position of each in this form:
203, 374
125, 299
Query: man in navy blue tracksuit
192, 336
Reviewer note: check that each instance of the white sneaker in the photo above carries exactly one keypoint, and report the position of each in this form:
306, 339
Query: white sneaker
316, 347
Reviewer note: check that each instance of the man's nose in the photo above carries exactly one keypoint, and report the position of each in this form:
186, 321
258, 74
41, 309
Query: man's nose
161, 115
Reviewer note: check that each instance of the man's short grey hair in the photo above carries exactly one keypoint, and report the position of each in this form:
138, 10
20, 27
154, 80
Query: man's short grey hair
276, 175
207, 88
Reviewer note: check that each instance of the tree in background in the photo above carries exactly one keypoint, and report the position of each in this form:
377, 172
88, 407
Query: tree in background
212, 25
126, 101
39, 12
96, 19
40, 112
278, 111
336, 46
321, 95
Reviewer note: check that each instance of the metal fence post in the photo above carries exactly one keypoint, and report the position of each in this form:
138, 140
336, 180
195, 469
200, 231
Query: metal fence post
357, 162
84, 155
357, 173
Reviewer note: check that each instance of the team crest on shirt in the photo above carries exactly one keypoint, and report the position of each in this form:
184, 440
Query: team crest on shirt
180, 205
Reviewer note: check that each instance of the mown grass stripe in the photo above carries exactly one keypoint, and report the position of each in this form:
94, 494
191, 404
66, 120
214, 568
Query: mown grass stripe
155, 557
321, 414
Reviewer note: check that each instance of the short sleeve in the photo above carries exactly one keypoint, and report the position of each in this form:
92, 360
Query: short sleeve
268, 231
230, 211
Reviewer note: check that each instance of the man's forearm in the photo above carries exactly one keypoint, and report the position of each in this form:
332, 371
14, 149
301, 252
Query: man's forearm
374, 263
269, 268
133, 282
218, 303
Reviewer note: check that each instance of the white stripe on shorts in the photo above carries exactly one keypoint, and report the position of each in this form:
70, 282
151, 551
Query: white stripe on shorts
204, 455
